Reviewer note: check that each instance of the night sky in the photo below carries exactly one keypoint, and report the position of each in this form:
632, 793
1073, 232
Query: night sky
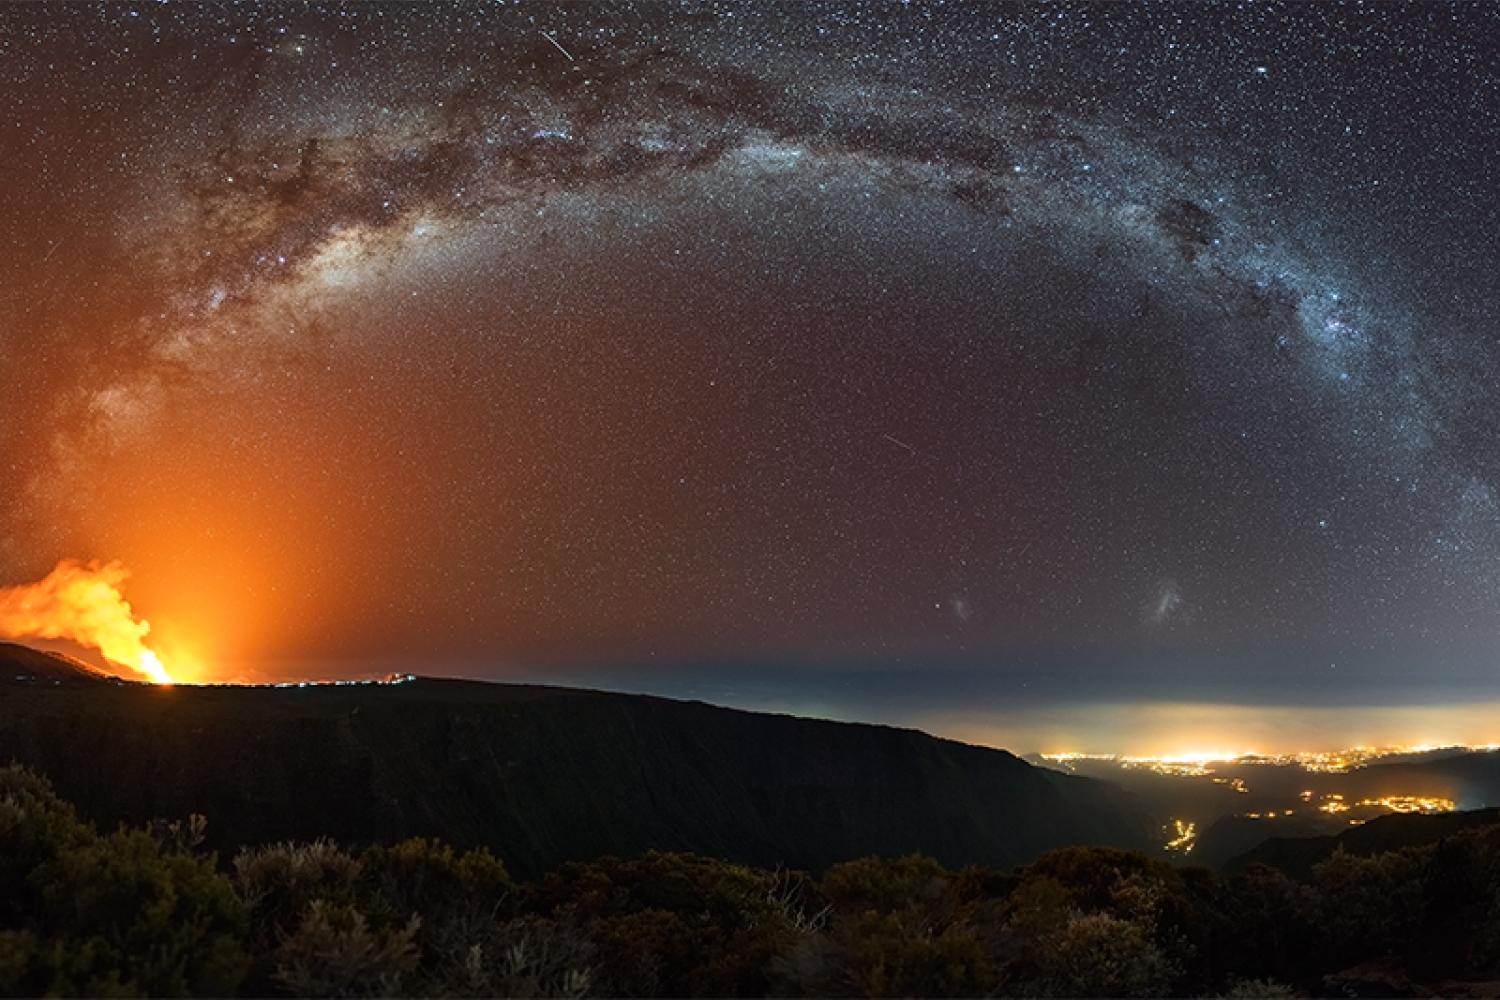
883, 361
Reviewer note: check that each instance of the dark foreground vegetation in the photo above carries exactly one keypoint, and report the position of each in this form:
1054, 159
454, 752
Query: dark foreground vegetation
146, 910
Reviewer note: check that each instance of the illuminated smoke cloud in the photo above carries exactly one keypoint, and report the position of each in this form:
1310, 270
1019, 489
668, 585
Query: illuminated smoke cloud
82, 603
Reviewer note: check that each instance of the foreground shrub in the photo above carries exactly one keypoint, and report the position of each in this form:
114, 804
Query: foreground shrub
1460, 907
1091, 922
278, 882
1270, 927
526, 957
1368, 907
880, 955
895, 927
334, 953
1101, 955
116, 916
459, 897
671, 924
1258, 989
885, 885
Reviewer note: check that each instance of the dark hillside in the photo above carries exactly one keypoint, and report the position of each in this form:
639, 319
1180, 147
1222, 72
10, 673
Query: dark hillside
1297, 855
543, 775
1471, 779
1229, 837
24, 665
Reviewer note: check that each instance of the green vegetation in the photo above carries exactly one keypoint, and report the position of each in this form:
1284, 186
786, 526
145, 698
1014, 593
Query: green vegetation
148, 911
119, 915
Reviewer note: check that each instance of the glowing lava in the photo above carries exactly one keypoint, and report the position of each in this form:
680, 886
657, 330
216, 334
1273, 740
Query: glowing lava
151, 666
82, 602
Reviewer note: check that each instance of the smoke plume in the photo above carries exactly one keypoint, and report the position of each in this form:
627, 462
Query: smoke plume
82, 602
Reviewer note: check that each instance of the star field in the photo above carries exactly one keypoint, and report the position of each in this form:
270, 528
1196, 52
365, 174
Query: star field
836, 333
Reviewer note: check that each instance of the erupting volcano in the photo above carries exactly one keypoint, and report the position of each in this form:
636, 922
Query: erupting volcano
82, 603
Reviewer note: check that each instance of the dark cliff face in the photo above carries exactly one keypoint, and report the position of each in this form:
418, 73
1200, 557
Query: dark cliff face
544, 775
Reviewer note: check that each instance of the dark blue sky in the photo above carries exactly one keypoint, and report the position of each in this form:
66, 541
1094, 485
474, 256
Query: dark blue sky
1154, 338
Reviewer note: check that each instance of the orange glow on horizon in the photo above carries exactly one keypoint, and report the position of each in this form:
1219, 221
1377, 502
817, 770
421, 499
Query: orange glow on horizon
245, 579
1213, 734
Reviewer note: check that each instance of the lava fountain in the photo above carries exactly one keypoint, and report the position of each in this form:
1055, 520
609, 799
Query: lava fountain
82, 602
